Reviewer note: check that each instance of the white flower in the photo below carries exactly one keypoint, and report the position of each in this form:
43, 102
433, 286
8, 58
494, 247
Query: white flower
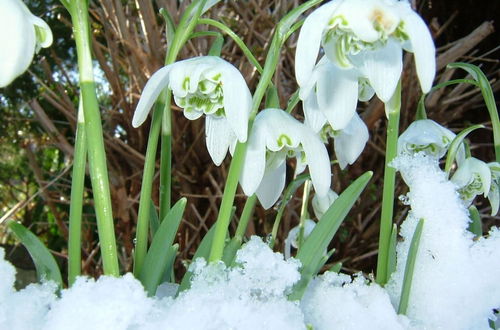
209, 86
472, 178
293, 236
494, 194
427, 136
332, 94
348, 142
274, 136
368, 36
21, 35
321, 204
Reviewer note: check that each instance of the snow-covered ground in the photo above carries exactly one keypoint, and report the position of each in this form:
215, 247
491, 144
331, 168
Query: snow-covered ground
455, 284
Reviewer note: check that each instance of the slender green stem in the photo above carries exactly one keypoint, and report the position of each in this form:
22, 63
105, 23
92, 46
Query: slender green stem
76, 202
236, 39
287, 195
393, 110
246, 215
224, 217
93, 128
166, 158
146, 190
303, 211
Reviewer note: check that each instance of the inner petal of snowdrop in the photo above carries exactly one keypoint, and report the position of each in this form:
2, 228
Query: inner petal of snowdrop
207, 98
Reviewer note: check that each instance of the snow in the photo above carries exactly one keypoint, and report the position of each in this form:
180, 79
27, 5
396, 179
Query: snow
455, 283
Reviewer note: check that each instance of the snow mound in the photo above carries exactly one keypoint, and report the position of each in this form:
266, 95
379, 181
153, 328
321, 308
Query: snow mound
455, 282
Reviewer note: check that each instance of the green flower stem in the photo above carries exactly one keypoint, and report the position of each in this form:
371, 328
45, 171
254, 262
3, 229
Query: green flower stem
76, 202
141, 246
93, 128
303, 211
236, 39
393, 110
161, 122
246, 215
166, 158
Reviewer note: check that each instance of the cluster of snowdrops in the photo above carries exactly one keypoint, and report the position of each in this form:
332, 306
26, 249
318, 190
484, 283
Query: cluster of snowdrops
347, 51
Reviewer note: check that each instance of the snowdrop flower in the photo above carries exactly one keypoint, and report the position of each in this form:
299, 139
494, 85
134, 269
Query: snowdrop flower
274, 136
332, 95
427, 136
349, 142
292, 240
494, 194
472, 178
321, 204
364, 39
206, 85
21, 35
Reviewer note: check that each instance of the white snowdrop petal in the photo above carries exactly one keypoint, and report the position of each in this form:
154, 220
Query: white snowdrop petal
158, 81
309, 41
423, 48
351, 141
382, 67
237, 100
317, 160
321, 204
272, 185
19, 40
314, 118
218, 135
337, 92
255, 161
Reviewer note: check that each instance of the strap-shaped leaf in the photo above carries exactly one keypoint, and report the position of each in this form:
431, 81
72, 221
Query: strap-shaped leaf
410, 266
455, 146
391, 262
489, 99
45, 264
203, 251
157, 260
311, 253
154, 221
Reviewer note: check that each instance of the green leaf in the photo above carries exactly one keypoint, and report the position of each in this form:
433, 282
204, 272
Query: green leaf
154, 221
410, 266
216, 48
157, 260
272, 98
336, 267
45, 264
203, 251
475, 227
455, 145
391, 263
311, 253
488, 97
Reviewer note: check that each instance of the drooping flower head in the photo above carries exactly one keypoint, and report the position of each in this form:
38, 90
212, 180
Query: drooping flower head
427, 136
21, 35
206, 85
275, 136
473, 178
364, 40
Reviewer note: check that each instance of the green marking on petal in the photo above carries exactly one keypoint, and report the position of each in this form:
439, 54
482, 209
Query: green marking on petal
284, 140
